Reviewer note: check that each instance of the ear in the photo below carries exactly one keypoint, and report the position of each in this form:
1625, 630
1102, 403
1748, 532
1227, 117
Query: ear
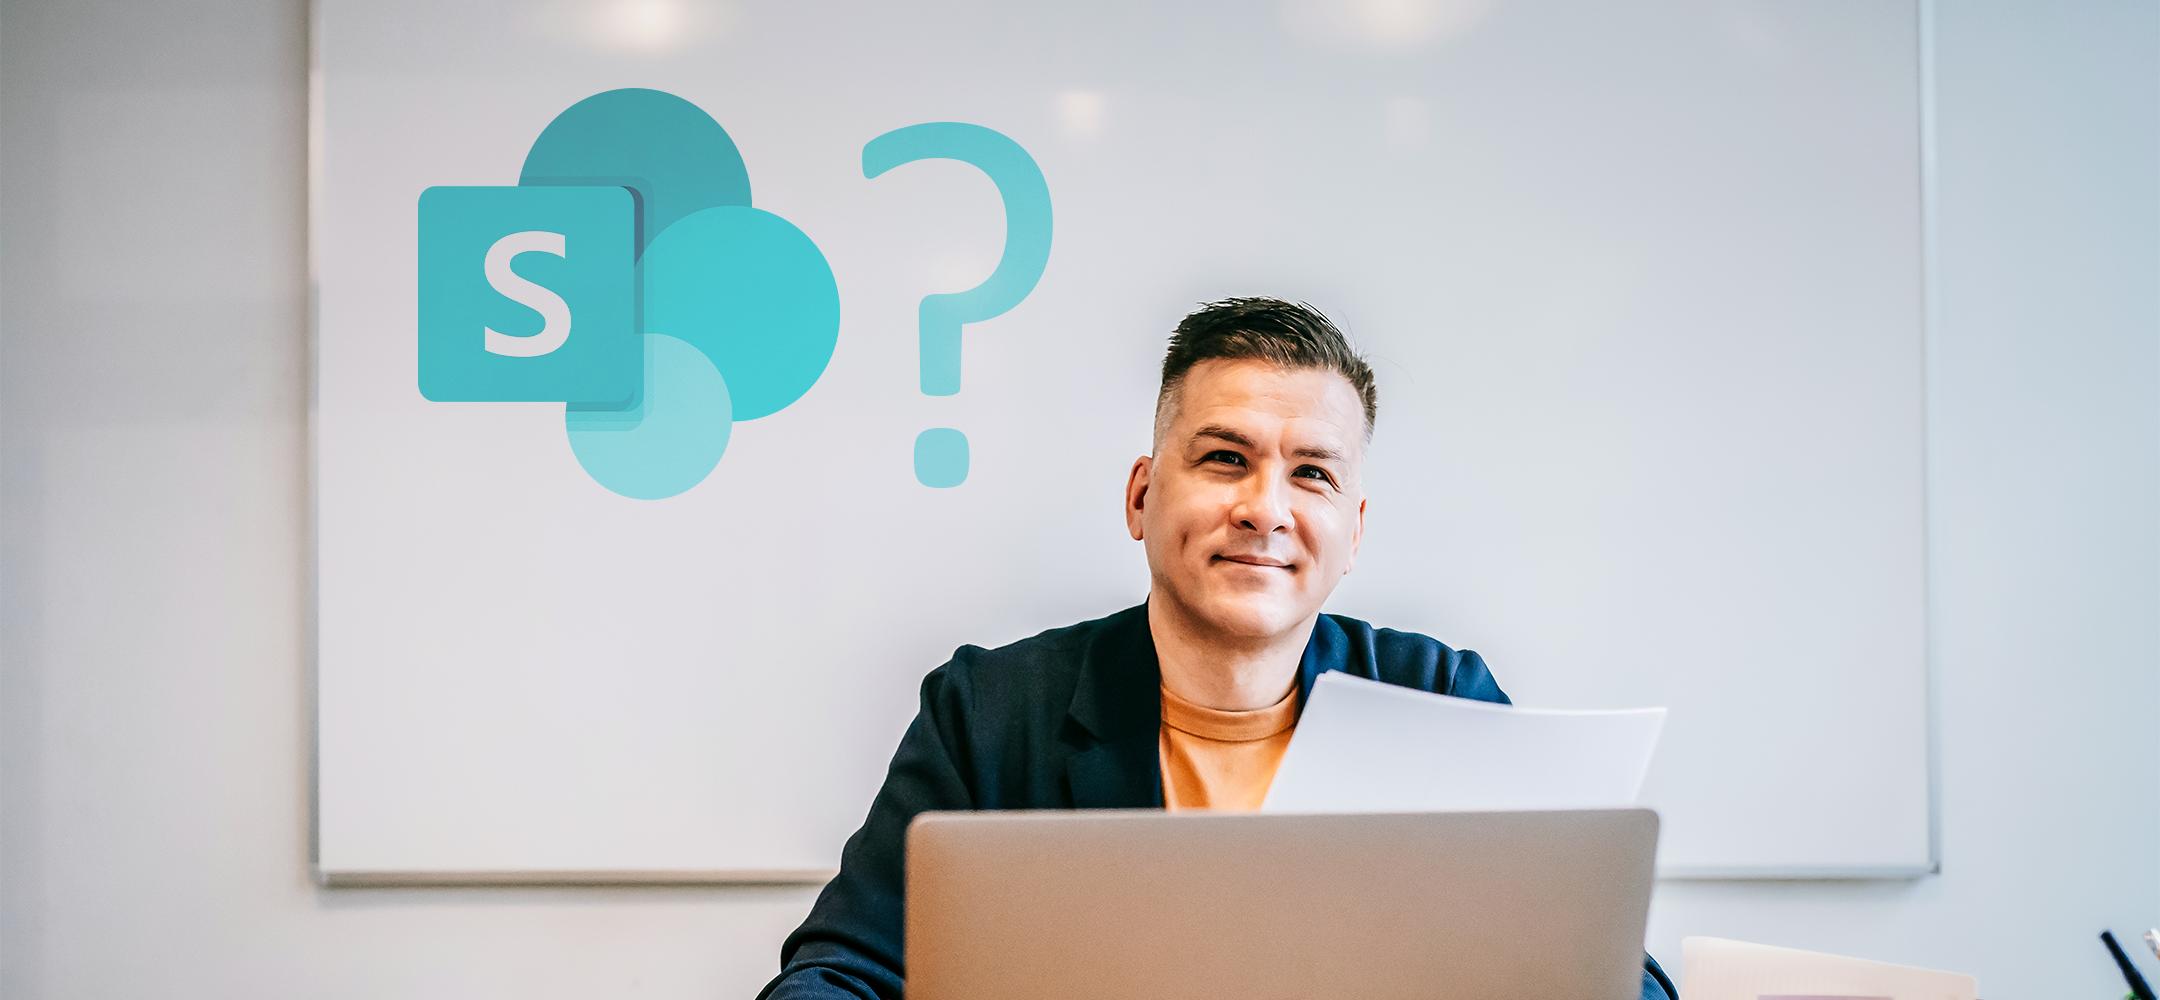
1136, 484
1357, 536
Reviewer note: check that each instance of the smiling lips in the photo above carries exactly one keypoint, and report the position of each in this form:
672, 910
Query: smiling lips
1258, 562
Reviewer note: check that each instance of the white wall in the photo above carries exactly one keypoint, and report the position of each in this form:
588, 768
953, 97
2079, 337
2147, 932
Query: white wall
2045, 493
153, 702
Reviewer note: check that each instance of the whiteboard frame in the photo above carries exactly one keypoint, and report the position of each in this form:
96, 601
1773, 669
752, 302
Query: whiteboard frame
358, 879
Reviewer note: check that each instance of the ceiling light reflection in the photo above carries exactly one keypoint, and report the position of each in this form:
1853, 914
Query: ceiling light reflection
1380, 24
636, 26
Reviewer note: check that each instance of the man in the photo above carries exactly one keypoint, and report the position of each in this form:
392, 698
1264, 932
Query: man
1251, 510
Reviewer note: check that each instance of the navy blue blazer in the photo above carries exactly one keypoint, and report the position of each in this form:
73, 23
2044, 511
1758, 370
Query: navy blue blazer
1069, 719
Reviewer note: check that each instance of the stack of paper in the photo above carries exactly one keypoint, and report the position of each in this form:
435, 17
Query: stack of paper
1366, 746
1717, 969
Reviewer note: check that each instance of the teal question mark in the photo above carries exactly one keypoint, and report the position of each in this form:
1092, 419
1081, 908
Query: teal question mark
941, 453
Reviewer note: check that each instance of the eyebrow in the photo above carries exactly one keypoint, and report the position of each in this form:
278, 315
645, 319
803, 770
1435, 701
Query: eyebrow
1221, 433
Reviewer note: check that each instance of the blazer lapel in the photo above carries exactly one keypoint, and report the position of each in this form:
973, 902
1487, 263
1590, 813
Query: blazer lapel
1123, 774
1118, 703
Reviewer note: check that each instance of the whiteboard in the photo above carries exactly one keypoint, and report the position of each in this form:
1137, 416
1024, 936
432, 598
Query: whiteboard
1642, 284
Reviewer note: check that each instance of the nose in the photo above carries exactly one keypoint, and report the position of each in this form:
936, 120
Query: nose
1263, 506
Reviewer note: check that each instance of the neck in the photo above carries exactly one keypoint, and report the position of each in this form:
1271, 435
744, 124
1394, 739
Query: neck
1228, 673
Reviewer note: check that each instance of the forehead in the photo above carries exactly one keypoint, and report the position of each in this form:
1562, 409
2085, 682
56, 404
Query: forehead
1321, 399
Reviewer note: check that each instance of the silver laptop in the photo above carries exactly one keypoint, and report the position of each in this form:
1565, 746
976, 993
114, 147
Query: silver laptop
1140, 905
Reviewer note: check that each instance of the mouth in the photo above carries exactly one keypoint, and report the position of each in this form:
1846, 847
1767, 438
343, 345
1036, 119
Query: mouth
1258, 562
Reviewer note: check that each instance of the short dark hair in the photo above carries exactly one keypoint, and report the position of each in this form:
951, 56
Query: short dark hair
1290, 335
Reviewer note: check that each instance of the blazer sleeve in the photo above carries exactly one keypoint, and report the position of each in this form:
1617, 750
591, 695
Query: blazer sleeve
850, 947
1654, 984
1468, 677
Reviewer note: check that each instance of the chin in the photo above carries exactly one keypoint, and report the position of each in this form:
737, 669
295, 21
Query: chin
1250, 619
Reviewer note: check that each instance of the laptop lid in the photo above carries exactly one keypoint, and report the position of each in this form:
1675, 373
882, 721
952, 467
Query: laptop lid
1139, 905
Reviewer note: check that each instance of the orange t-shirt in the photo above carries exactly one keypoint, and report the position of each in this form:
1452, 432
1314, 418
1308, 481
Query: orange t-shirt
1222, 760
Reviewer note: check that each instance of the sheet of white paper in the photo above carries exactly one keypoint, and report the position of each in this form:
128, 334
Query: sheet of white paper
1365, 746
1718, 969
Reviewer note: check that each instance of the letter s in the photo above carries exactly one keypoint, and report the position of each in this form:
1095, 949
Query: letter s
554, 312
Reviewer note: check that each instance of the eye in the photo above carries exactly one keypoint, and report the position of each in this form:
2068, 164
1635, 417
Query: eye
1226, 457
1313, 472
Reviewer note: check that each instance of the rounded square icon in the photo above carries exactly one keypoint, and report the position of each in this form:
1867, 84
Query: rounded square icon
529, 294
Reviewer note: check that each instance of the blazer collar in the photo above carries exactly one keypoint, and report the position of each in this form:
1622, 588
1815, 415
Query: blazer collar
1328, 649
1118, 701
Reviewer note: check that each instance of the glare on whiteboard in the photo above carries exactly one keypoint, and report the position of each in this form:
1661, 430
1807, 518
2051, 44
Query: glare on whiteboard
1080, 113
1380, 24
637, 26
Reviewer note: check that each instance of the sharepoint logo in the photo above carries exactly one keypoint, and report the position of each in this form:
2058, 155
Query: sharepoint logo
627, 277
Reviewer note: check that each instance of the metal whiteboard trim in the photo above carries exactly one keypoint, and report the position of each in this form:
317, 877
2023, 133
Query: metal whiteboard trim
311, 676
1796, 873
601, 878
1930, 336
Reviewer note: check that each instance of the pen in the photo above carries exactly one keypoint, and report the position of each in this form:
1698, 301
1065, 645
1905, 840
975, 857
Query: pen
2138, 988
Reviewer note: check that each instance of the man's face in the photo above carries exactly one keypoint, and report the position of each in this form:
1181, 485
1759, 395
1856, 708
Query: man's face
1251, 509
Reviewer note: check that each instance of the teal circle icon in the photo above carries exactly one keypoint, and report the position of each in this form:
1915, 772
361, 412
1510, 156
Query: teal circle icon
669, 438
754, 294
669, 151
